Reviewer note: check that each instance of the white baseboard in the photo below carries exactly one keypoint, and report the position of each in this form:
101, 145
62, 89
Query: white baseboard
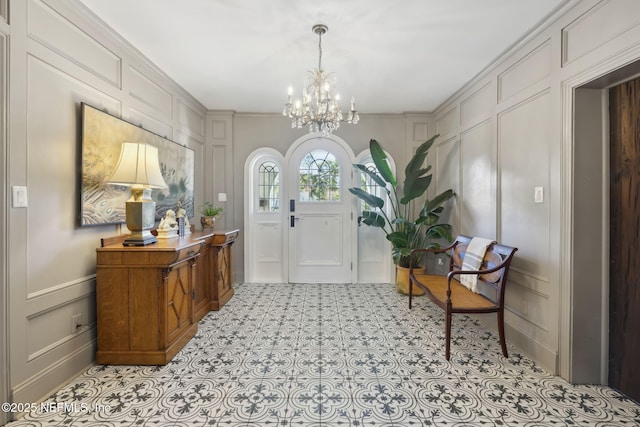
544, 356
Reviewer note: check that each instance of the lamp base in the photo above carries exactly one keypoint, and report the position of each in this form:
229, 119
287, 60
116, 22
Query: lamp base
140, 238
141, 215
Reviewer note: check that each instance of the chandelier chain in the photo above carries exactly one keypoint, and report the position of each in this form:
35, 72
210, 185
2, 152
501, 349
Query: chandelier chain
320, 51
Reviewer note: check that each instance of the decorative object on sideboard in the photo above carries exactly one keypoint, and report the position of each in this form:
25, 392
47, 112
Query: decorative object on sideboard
319, 106
138, 168
168, 227
209, 213
184, 228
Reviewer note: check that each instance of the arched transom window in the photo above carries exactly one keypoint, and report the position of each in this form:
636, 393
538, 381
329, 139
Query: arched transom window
319, 177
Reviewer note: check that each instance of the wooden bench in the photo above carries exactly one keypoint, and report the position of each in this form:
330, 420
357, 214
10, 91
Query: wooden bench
450, 295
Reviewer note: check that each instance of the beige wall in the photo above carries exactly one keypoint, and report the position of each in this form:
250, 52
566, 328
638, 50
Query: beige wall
60, 57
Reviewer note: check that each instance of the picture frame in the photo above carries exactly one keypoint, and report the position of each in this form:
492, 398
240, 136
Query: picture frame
102, 137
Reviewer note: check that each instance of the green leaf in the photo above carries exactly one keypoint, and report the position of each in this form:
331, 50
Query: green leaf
398, 239
419, 157
377, 178
414, 187
369, 199
439, 231
373, 219
439, 200
415, 181
382, 164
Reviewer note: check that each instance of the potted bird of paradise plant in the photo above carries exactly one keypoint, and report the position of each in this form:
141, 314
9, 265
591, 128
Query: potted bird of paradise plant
404, 226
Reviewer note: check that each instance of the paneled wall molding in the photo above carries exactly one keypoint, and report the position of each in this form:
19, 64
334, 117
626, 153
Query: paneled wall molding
526, 72
525, 317
579, 39
40, 53
76, 12
513, 51
49, 380
4, 271
219, 175
3, 11
487, 120
532, 282
190, 120
141, 118
48, 27
473, 108
148, 92
60, 294
448, 122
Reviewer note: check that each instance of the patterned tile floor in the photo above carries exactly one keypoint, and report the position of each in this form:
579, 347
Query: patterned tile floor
332, 355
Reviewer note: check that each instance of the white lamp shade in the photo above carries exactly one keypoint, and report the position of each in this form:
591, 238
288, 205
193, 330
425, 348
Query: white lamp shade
138, 164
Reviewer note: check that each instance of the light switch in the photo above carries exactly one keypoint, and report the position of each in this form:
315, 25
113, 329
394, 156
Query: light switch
19, 196
222, 197
538, 195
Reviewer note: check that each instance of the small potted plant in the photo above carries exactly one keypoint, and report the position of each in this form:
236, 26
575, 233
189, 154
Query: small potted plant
209, 213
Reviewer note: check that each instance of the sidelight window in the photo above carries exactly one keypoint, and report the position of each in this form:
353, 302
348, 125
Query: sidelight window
268, 187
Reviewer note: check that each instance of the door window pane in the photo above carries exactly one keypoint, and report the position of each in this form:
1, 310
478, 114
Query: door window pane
370, 186
268, 187
319, 177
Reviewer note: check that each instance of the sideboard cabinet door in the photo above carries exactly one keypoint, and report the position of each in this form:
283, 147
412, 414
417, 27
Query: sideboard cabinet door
179, 296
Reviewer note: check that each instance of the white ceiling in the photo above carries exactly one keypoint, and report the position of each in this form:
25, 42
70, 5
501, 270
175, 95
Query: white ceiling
393, 56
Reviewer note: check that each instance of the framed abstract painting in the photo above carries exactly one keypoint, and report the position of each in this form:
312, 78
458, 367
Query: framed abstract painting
102, 136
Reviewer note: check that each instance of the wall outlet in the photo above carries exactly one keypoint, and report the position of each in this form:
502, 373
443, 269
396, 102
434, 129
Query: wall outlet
440, 261
76, 323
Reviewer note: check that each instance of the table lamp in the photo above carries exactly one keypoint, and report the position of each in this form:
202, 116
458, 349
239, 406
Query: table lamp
138, 167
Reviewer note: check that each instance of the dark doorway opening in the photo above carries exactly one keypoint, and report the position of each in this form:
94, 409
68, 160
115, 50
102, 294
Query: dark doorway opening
624, 269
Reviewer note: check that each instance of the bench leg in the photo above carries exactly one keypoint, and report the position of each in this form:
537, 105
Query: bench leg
503, 342
447, 335
410, 292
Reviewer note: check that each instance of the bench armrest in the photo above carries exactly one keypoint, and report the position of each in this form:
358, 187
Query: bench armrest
427, 250
477, 272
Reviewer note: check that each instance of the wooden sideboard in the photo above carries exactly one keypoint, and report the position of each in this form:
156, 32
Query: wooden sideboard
145, 301
150, 298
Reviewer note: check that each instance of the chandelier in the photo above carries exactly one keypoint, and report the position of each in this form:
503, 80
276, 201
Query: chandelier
319, 106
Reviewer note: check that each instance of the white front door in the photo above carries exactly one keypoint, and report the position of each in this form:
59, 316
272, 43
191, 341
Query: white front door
320, 207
